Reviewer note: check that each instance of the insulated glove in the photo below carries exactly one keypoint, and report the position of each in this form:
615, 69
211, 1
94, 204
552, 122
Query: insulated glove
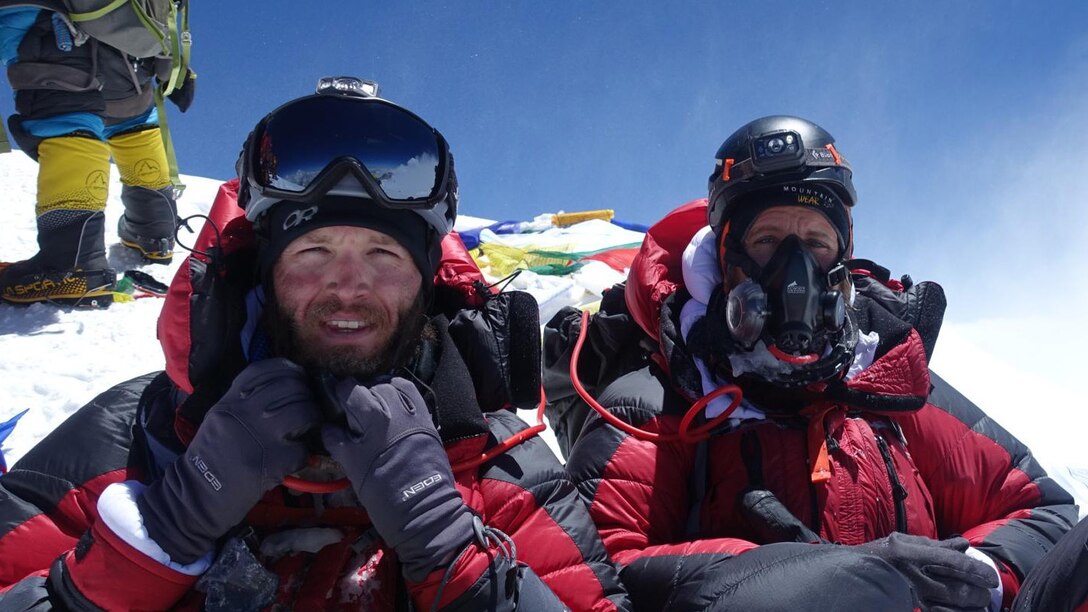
247, 443
183, 94
400, 472
942, 576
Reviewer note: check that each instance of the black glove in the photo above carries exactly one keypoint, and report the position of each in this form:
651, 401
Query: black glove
399, 469
941, 575
183, 94
247, 443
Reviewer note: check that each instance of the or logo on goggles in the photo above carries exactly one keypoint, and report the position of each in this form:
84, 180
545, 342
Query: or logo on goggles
302, 150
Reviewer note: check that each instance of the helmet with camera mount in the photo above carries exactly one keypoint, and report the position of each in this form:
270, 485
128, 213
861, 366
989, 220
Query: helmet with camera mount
770, 152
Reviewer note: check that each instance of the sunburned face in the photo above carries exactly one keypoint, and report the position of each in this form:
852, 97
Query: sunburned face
775, 224
347, 295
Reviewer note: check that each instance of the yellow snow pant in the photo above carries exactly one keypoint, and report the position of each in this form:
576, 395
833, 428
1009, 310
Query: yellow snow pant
73, 179
141, 158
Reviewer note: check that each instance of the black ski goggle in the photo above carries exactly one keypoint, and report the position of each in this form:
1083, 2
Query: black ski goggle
302, 151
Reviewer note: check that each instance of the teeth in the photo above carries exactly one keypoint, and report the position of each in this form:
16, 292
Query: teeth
345, 324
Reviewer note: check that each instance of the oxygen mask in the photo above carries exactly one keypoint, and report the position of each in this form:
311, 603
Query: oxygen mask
789, 320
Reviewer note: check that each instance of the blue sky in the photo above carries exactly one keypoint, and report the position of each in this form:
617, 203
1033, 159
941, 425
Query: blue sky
965, 121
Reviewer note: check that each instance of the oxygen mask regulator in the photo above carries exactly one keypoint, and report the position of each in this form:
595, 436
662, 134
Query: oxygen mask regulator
790, 304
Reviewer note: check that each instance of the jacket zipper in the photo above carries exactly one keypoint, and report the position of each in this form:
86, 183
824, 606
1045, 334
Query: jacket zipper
899, 492
817, 519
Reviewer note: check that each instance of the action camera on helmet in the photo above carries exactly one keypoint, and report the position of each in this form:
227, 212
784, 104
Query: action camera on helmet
777, 151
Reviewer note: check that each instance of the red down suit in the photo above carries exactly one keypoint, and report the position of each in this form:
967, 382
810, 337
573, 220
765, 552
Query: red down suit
55, 552
901, 451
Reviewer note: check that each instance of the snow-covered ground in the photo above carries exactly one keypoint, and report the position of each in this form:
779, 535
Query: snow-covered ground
53, 361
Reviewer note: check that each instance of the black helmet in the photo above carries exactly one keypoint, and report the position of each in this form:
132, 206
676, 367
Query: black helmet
772, 151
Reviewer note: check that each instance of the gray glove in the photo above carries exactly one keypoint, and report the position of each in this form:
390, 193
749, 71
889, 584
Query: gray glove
399, 469
942, 576
247, 443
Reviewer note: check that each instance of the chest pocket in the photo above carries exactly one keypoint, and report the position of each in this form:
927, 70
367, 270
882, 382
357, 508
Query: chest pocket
758, 485
875, 488
916, 507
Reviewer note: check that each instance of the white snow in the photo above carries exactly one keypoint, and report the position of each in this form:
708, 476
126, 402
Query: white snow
52, 361
55, 360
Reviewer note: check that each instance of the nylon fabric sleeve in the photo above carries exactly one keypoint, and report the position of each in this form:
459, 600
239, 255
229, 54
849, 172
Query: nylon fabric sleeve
639, 506
637, 490
526, 494
1060, 580
28, 595
784, 576
104, 571
959, 451
504, 584
48, 499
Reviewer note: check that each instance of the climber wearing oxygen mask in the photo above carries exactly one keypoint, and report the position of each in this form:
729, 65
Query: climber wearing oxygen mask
772, 257
781, 443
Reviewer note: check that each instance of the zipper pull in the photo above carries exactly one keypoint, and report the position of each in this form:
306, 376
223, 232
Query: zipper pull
61, 33
899, 491
832, 444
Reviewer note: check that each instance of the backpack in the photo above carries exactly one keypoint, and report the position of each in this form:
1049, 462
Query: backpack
140, 28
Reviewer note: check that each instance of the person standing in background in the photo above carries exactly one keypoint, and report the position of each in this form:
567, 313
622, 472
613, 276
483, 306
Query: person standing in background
81, 101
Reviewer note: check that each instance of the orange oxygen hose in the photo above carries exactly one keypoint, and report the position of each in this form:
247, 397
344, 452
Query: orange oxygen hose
684, 435
510, 442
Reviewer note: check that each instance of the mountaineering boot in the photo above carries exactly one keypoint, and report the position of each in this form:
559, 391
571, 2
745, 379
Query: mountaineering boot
151, 212
70, 267
149, 222
61, 274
